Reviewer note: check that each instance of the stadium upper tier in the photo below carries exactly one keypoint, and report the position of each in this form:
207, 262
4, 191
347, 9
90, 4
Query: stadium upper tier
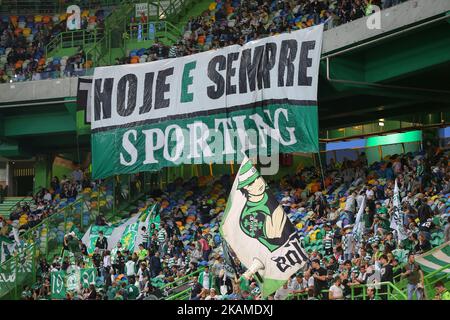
24, 41
28, 42
412, 14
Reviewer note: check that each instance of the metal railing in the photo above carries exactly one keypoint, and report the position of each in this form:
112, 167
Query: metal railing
72, 39
181, 281
431, 278
174, 8
183, 295
15, 204
153, 30
385, 290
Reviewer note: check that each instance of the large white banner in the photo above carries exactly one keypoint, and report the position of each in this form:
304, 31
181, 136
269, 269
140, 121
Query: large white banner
209, 107
275, 68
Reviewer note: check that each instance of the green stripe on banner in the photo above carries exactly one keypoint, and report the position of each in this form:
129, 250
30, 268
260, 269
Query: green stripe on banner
446, 250
426, 269
297, 126
271, 285
435, 260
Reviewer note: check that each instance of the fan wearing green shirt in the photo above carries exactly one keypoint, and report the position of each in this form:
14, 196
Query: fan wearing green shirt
132, 290
384, 220
142, 253
244, 284
441, 292
111, 293
118, 295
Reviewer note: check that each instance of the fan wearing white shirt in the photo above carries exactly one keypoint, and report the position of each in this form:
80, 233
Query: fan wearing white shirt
283, 292
309, 279
299, 284
336, 291
370, 194
130, 267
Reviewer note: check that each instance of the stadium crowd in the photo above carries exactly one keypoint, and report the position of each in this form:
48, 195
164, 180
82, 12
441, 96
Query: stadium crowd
323, 210
23, 41
44, 203
237, 22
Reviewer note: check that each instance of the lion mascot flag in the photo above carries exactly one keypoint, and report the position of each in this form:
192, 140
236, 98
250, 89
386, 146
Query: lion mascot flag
259, 231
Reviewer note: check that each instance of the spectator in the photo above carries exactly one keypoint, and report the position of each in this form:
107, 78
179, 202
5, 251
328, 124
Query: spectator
336, 290
205, 278
441, 292
101, 243
415, 278
320, 279
283, 292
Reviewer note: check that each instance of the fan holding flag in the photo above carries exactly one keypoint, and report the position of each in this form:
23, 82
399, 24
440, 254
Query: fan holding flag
397, 217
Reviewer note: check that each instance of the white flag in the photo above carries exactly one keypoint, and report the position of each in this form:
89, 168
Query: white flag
358, 228
397, 219
259, 231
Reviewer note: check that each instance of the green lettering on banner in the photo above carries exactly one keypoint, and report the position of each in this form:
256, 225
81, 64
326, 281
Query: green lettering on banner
187, 80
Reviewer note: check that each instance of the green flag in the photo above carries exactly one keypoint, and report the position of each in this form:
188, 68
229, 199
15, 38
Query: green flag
58, 286
88, 277
129, 236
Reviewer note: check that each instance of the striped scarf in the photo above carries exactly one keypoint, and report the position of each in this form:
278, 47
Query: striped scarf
328, 240
171, 262
161, 235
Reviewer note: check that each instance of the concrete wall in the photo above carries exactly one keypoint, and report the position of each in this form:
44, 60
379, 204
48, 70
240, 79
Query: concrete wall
343, 36
409, 12
31, 91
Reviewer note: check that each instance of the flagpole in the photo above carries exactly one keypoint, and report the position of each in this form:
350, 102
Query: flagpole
233, 264
321, 170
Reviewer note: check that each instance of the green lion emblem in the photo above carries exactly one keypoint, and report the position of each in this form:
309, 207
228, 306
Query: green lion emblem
262, 218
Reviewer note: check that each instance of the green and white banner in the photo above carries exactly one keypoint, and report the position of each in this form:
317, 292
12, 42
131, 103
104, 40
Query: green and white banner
87, 277
126, 231
6, 248
147, 217
259, 231
436, 259
129, 236
17, 269
57, 284
91, 236
73, 280
397, 216
213, 106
